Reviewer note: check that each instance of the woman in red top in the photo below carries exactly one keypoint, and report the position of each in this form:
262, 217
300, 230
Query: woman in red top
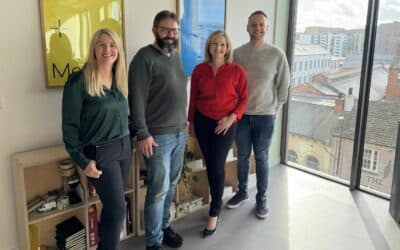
218, 98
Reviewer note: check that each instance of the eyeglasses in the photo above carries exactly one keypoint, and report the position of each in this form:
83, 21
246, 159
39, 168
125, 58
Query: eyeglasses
166, 30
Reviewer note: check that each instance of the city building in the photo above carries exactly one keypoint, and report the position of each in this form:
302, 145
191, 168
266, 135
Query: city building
379, 149
309, 60
333, 40
392, 92
387, 38
309, 133
347, 79
355, 41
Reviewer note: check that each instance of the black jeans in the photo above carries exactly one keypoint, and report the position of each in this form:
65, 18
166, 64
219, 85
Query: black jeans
215, 149
114, 159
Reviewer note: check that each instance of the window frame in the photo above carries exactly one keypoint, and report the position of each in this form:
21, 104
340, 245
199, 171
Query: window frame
363, 96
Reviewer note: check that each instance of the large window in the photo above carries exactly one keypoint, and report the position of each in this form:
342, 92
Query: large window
324, 111
383, 105
316, 121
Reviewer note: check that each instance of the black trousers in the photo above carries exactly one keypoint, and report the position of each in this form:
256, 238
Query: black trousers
114, 159
215, 149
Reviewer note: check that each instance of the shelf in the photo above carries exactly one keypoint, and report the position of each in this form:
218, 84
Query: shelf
36, 217
96, 199
129, 190
93, 200
40, 156
29, 170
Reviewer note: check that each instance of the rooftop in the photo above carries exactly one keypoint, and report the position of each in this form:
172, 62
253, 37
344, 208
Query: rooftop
383, 118
311, 119
310, 49
348, 78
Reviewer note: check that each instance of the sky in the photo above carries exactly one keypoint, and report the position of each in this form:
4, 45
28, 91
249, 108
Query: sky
348, 14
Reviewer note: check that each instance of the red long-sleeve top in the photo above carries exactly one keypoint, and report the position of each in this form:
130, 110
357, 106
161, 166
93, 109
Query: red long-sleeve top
220, 95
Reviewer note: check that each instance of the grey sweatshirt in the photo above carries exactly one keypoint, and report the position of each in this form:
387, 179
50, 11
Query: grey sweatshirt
157, 94
268, 77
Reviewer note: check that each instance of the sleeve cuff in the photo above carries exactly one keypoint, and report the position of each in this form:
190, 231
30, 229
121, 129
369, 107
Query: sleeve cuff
141, 135
80, 160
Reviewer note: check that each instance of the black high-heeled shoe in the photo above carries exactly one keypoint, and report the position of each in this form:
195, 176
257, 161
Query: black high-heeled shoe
208, 232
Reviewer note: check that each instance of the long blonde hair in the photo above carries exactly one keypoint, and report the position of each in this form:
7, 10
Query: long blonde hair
93, 86
228, 54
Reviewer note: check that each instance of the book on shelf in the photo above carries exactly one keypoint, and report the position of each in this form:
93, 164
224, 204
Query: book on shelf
34, 236
75, 242
35, 204
93, 226
69, 232
71, 239
77, 245
91, 189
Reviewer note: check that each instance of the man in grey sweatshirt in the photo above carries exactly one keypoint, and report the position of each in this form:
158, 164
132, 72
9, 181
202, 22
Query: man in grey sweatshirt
158, 100
268, 82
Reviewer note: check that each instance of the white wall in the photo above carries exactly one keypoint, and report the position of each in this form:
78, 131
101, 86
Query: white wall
237, 13
30, 114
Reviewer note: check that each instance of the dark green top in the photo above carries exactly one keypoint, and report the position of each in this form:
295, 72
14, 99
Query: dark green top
91, 120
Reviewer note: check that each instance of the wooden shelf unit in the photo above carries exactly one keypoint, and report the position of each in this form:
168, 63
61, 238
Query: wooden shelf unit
35, 173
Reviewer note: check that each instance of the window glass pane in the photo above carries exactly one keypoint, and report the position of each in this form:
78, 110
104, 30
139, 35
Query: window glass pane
329, 40
384, 105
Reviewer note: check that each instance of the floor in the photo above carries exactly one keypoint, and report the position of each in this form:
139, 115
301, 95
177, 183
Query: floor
306, 213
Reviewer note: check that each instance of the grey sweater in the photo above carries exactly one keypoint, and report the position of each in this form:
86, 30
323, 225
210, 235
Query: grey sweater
268, 77
157, 94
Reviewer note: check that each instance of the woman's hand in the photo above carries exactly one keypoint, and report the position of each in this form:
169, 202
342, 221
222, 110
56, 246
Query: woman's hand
92, 171
224, 124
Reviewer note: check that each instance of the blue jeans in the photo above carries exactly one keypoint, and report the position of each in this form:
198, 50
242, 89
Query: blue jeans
163, 172
256, 131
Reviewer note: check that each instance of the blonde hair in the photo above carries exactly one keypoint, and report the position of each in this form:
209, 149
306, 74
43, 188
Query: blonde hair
228, 54
93, 86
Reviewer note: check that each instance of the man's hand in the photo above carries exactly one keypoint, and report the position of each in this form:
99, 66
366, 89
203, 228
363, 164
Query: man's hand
146, 146
224, 124
92, 171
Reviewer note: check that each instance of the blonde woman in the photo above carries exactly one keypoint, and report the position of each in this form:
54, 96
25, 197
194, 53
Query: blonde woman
95, 128
218, 98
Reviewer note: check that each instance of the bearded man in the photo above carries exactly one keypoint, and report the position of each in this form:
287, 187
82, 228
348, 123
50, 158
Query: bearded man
157, 100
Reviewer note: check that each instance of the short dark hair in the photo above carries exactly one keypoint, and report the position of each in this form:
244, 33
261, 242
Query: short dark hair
164, 14
258, 12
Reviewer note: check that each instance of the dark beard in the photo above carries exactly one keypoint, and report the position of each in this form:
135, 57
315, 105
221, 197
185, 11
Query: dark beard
166, 47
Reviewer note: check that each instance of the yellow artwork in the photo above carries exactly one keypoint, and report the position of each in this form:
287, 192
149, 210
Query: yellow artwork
67, 27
